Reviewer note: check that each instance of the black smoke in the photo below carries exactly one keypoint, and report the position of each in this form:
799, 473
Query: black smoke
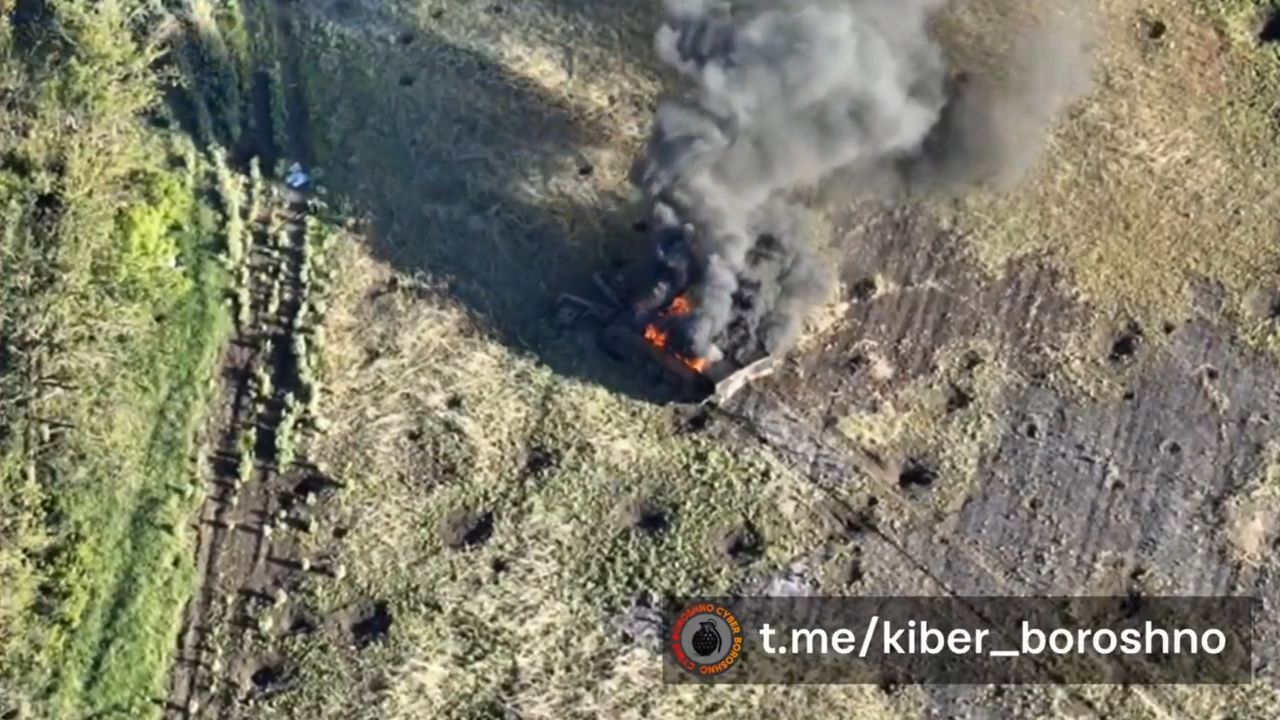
775, 98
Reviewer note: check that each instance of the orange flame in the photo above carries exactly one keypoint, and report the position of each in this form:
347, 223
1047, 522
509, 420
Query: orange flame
679, 307
699, 365
656, 337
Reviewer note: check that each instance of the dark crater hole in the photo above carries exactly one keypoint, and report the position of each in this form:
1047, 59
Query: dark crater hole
373, 626
916, 474
1270, 32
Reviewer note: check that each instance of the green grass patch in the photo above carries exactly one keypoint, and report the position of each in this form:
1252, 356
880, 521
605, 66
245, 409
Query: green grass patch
132, 574
111, 318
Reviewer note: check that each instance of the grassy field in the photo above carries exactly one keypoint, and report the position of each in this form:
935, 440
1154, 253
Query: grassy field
590, 503
487, 150
1157, 185
512, 517
111, 320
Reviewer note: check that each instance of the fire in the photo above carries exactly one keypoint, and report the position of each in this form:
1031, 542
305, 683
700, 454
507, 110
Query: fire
698, 364
679, 307
656, 337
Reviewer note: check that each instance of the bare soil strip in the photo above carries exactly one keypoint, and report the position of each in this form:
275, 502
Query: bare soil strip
255, 507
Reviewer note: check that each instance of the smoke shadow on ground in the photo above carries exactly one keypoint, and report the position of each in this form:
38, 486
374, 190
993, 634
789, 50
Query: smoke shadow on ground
477, 177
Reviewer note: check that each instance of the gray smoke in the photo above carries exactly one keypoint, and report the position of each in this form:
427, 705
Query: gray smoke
773, 99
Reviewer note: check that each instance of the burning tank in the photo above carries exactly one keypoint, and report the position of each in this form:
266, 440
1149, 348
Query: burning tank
770, 103
650, 311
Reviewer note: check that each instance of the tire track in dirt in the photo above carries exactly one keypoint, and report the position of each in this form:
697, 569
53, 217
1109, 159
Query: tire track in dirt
1075, 494
767, 419
260, 487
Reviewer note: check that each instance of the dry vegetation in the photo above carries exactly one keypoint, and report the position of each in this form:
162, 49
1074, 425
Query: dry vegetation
499, 503
511, 518
1253, 515
1162, 178
941, 427
510, 515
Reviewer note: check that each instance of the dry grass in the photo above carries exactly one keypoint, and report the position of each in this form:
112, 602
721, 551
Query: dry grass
1253, 513
946, 423
434, 416
1256, 702
1163, 176
628, 687
489, 147
463, 136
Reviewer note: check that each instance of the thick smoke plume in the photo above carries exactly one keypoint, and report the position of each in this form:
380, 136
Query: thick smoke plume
776, 98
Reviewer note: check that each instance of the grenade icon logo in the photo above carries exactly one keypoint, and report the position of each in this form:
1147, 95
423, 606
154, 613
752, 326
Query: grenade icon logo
707, 640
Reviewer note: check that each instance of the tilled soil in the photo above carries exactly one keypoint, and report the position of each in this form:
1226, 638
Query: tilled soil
259, 506
1129, 493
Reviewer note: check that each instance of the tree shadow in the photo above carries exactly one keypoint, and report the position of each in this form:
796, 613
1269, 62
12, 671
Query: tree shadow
479, 176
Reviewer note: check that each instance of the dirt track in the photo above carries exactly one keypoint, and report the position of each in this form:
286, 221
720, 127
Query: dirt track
249, 555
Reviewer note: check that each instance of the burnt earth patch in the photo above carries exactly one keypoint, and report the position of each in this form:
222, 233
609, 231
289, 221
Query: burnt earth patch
740, 544
309, 489
263, 674
958, 398
300, 622
1270, 31
864, 289
313, 484
851, 572
916, 474
539, 459
267, 676
465, 529
645, 517
372, 624
1126, 346
692, 421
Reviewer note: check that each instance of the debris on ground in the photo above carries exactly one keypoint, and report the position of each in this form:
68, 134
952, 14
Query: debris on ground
296, 178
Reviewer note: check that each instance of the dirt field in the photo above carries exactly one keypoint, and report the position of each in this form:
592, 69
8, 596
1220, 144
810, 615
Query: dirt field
1070, 388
